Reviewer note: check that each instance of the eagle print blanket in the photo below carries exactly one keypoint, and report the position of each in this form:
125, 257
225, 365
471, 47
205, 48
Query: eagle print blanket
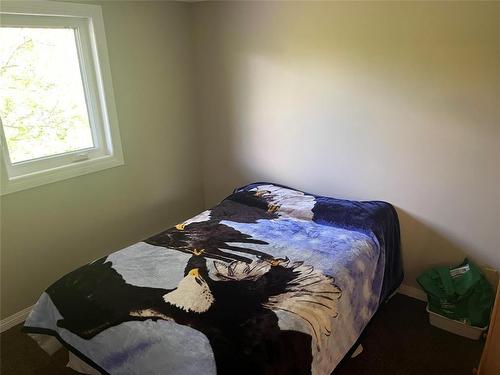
270, 281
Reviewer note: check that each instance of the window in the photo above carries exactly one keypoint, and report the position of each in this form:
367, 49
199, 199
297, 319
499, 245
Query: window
57, 111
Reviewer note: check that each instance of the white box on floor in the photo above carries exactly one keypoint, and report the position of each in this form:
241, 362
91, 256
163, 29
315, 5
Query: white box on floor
455, 326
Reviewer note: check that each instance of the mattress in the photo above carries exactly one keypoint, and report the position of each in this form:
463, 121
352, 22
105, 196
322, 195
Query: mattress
270, 281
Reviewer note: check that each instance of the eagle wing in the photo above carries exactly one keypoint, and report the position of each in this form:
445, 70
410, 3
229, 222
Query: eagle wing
96, 297
311, 296
292, 287
213, 238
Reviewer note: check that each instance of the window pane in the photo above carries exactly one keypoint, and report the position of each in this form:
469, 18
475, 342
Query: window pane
42, 101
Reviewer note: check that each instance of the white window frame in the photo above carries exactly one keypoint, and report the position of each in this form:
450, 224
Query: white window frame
87, 21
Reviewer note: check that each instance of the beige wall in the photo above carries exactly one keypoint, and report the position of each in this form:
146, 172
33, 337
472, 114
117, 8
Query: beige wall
50, 230
391, 101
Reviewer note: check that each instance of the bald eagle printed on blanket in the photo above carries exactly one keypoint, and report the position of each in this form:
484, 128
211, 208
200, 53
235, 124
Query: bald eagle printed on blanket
259, 302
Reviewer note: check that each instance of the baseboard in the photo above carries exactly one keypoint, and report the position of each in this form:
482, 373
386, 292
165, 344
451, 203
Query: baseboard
14, 319
413, 292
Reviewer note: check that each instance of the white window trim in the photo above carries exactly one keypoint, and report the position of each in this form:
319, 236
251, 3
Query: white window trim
108, 151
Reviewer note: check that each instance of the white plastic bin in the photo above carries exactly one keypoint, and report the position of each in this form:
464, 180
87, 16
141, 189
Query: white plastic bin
455, 326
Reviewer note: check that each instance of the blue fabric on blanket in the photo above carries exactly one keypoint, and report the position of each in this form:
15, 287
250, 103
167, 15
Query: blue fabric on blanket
374, 218
270, 281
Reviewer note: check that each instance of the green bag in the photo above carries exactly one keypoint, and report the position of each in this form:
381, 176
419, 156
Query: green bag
459, 293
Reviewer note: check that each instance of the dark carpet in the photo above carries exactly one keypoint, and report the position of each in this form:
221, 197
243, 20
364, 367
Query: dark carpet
398, 341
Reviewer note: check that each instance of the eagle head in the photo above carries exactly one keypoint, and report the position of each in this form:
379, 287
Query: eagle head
192, 294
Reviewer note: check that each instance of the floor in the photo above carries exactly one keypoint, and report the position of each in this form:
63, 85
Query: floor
398, 341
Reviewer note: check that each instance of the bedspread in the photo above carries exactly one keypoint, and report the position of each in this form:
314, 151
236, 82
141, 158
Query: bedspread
270, 281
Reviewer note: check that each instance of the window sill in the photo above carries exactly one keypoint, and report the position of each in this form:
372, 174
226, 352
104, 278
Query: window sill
28, 181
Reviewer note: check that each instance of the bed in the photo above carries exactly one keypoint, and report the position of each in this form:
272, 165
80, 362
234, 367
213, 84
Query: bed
270, 281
